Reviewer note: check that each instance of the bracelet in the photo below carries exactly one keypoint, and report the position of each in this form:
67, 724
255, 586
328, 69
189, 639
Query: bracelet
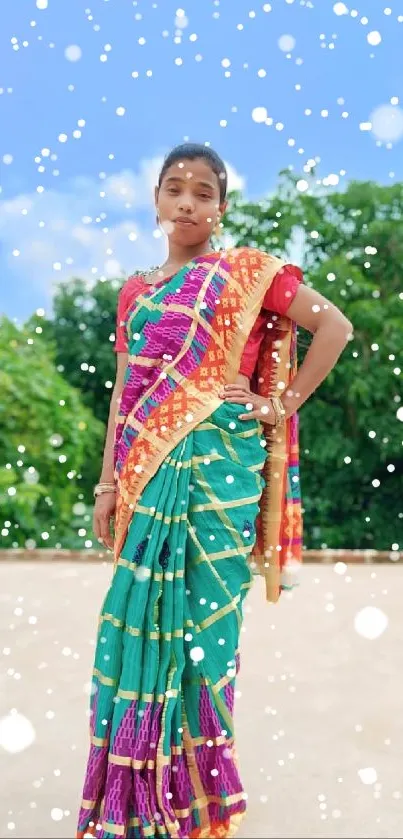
279, 411
99, 489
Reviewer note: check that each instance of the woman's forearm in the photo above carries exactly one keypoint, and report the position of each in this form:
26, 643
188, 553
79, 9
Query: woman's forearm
107, 473
328, 343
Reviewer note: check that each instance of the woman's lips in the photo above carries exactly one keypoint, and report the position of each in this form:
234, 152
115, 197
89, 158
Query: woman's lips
183, 222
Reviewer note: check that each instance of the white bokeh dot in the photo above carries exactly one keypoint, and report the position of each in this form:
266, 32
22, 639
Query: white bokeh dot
368, 775
340, 9
73, 52
196, 654
374, 38
370, 622
16, 733
387, 123
286, 43
259, 114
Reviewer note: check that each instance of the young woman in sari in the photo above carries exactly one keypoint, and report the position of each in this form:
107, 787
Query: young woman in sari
200, 473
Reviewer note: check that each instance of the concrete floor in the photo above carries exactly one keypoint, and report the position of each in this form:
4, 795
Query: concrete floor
318, 702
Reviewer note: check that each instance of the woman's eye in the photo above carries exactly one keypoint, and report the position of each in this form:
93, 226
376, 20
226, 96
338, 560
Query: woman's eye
172, 190
204, 195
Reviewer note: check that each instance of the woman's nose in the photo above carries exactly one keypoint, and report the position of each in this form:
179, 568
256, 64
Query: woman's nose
185, 205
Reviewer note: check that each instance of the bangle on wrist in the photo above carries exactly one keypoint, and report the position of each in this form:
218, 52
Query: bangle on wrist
100, 488
279, 411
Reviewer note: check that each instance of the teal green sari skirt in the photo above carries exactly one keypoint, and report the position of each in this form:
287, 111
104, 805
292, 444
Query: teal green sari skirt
162, 759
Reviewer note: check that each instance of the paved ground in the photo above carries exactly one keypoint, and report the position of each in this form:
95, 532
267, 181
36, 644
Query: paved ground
319, 702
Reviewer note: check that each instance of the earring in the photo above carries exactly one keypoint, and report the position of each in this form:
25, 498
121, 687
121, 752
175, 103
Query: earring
157, 219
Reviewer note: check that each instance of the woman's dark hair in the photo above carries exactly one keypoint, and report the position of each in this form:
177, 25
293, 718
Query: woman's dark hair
196, 151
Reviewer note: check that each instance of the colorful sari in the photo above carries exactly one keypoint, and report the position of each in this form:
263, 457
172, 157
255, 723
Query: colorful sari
204, 499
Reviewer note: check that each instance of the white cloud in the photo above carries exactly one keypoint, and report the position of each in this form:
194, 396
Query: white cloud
235, 180
92, 227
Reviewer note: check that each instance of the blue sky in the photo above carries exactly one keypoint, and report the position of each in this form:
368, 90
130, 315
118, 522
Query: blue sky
80, 204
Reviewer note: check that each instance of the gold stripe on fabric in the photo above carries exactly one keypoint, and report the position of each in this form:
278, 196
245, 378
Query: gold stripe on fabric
146, 697
220, 613
87, 804
208, 426
134, 631
235, 821
116, 829
180, 464
138, 633
216, 741
229, 446
100, 742
225, 801
222, 707
143, 361
163, 759
238, 502
190, 625
135, 763
111, 619
141, 764
148, 831
157, 576
125, 563
276, 463
218, 555
120, 760
166, 636
105, 680
223, 682
212, 456
194, 774
158, 516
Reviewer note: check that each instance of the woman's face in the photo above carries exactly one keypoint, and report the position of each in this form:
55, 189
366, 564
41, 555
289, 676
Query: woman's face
188, 202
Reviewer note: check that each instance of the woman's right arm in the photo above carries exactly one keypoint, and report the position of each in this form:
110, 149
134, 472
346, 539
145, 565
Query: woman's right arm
105, 504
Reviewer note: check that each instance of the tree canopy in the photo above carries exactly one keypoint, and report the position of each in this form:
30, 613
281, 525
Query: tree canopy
350, 245
46, 439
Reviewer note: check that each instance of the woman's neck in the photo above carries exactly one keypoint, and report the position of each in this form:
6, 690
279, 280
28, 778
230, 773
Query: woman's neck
179, 255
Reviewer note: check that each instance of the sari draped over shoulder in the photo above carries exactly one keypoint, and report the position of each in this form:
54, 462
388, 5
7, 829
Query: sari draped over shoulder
204, 499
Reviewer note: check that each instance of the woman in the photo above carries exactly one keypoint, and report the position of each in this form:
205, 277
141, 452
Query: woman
200, 472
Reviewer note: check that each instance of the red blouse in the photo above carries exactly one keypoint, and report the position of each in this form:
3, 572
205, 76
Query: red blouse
277, 299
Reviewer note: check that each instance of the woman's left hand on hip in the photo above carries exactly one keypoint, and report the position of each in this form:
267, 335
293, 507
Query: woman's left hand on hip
257, 406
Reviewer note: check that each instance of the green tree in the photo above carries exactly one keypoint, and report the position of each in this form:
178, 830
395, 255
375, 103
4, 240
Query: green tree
81, 333
350, 245
351, 436
46, 436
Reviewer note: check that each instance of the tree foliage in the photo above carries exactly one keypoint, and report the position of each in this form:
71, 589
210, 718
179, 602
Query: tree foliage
82, 334
46, 436
350, 245
351, 437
